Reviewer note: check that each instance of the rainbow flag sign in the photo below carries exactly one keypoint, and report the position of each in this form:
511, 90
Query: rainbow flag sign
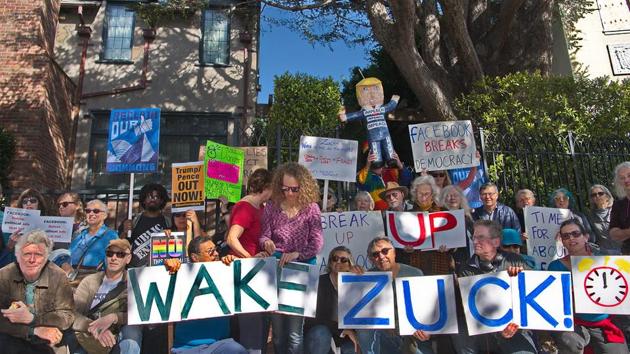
165, 247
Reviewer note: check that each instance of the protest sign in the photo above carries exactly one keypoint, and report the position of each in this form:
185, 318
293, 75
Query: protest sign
328, 158
58, 228
187, 186
600, 284
353, 229
427, 231
134, 138
18, 219
255, 158
470, 183
541, 226
297, 289
443, 145
224, 171
413, 312
164, 247
201, 290
366, 300
532, 299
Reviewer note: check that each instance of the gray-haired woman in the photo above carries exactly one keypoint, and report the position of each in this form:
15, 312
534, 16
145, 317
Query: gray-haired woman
601, 201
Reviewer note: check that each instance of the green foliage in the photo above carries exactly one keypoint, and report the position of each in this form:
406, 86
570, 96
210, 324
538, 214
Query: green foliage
571, 11
523, 103
7, 153
155, 14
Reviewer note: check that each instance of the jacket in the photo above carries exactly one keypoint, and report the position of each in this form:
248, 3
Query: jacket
501, 262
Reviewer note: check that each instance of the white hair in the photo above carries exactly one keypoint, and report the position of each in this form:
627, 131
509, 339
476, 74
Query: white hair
464, 202
34, 237
620, 191
102, 206
364, 195
428, 180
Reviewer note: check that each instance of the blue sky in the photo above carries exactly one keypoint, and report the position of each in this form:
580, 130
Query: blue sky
282, 50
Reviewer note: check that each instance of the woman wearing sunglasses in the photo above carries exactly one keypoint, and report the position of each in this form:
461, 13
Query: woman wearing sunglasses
187, 222
601, 204
70, 205
292, 232
594, 330
324, 327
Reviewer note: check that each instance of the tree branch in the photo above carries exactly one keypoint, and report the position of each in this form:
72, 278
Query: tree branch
500, 33
458, 31
295, 8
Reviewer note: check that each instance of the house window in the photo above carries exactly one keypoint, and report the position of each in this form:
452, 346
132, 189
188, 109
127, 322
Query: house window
118, 33
181, 135
215, 37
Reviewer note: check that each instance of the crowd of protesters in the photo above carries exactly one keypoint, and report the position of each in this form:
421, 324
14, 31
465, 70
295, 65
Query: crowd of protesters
72, 298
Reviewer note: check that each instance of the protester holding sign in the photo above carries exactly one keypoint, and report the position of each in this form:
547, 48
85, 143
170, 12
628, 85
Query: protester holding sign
187, 222
489, 259
563, 199
292, 231
594, 330
453, 198
620, 212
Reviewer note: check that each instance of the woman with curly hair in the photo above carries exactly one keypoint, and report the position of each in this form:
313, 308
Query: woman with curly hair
291, 231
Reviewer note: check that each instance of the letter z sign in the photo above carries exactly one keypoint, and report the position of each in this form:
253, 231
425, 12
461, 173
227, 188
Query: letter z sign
366, 300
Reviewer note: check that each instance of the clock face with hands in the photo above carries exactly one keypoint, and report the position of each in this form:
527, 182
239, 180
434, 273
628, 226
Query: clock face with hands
606, 286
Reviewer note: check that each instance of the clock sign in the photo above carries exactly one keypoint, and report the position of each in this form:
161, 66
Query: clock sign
606, 286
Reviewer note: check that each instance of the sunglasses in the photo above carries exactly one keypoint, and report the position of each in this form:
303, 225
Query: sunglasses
64, 204
30, 200
383, 251
336, 259
93, 211
119, 254
285, 189
178, 215
572, 234
597, 194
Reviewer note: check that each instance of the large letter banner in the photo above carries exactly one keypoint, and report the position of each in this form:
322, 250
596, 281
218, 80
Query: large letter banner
366, 300
134, 140
328, 158
187, 183
353, 229
487, 302
541, 226
433, 312
443, 145
542, 300
223, 171
201, 290
427, 231
297, 289
600, 284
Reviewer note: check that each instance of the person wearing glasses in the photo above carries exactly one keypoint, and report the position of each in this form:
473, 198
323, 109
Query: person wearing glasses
601, 201
596, 331
493, 210
563, 199
101, 307
87, 250
324, 327
70, 205
488, 258
186, 222
292, 232
382, 255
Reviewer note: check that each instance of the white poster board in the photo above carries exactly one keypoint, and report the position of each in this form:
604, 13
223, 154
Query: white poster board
353, 229
58, 228
18, 219
427, 231
433, 312
487, 302
297, 289
541, 226
443, 145
600, 284
366, 300
328, 158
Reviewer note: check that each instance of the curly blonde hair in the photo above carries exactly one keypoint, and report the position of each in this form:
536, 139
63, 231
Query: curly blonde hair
309, 190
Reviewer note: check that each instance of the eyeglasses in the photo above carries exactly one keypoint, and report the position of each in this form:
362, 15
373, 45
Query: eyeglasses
94, 211
154, 196
597, 194
211, 251
178, 215
30, 200
572, 234
488, 194
64, 204
481, 238
383, 251
285, 189
119, 254
336, 259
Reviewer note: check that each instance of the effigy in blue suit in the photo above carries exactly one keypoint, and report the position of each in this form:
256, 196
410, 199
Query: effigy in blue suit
370, 97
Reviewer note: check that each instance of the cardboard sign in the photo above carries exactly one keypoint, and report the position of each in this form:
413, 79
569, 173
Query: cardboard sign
328, 158
164, 247
133, 143
19, 220
201, 290
413, 312
541, 226
353, 229
187, 185
427, 231
58, 228
600, 284
297, 289
367, 300
224, 171
443, 145
532, 299
255, 158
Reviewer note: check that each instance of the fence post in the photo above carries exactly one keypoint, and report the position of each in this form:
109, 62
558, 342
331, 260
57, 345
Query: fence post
278, 145
577, 193
482, 138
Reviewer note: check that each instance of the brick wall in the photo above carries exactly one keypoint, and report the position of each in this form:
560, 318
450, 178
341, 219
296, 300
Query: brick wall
35, 94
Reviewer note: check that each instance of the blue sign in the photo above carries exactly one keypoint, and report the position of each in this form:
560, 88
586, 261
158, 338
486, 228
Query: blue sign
133, 145
469, 184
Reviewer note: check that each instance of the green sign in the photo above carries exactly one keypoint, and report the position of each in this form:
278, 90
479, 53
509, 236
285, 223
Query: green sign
223, 171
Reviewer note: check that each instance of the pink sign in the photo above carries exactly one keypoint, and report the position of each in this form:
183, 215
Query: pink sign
223, 171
